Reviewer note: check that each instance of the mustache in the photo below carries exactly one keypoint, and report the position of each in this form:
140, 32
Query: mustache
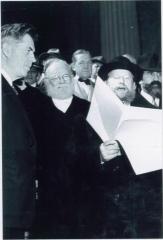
122, 87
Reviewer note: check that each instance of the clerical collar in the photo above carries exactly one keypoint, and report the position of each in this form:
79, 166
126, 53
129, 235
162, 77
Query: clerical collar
7, 77
62, 104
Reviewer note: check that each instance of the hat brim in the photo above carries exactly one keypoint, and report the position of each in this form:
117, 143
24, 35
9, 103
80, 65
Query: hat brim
150, 69
97, 61
44, 56
126, 65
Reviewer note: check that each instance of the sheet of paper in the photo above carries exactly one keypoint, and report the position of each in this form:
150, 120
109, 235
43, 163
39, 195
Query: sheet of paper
141, 140
95, 120
105, 111
139, 130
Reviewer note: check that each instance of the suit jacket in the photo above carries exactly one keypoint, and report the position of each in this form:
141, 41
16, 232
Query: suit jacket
18, 154
67, 166
82, 90
140, 101
131, 203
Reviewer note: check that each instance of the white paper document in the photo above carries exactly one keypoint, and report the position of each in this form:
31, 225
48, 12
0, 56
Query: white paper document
139, 130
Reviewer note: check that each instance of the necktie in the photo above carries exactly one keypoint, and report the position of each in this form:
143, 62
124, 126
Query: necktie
87, 81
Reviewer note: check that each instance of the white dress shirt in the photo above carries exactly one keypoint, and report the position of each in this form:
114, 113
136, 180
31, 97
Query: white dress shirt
7, 77
82, 90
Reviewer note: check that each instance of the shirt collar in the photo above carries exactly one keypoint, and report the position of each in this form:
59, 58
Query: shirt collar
62, 104
6, 76
147, 96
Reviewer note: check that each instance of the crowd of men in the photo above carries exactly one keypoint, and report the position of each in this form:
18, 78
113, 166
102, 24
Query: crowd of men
59, 179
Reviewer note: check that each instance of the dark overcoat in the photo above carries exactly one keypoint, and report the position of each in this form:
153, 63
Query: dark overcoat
67, 169
18, 155
132, 204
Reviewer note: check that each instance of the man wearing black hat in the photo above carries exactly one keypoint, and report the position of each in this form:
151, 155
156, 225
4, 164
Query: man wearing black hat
97, 62
156, 91
123, 77
132, 204
151, 72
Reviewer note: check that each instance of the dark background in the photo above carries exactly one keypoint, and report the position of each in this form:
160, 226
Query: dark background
73, 25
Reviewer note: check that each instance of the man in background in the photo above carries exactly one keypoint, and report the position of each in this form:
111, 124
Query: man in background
156, 92
97, 63
82, 67
151, 72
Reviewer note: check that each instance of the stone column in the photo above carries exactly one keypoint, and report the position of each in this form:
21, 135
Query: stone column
119, 29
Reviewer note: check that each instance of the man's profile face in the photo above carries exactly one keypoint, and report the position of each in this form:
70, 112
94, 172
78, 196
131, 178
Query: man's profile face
155, 90
148, 78
121, 83
83, 66
58, 80
21, 56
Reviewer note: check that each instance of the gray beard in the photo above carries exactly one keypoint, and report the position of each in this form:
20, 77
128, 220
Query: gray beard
59, 94
147, 88
130, 95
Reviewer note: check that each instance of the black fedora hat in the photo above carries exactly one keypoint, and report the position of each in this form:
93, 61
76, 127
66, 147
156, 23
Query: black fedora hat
120, 62
51, 53
37, 67
98, 59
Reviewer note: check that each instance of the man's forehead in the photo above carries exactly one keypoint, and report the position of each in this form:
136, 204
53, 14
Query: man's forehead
120, 72
57, 66
27, 41
83, 56
97, 64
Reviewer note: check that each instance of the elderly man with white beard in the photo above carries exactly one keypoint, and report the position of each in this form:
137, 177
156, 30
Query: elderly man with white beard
66, 162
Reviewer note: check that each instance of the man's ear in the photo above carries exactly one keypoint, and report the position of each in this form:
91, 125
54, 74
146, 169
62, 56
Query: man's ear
73, 66
6, 49
134, 85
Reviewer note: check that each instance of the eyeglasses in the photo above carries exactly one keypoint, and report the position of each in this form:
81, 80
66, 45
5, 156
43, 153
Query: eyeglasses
56, 79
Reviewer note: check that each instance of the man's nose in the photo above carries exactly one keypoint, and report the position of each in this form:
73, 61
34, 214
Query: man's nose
33, 58
155, 76
61, 80
86, 66
121, 80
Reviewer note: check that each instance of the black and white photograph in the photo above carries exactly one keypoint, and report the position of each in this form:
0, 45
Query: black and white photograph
81, 119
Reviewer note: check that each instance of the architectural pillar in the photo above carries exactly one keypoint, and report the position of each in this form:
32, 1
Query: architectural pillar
119, 30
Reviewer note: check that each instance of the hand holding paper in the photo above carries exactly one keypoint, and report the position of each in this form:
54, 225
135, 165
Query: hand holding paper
139, 130
109, 150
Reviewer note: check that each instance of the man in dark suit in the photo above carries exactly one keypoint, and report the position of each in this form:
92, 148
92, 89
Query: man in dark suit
151, 66
82, 67
18, 141
132, 206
